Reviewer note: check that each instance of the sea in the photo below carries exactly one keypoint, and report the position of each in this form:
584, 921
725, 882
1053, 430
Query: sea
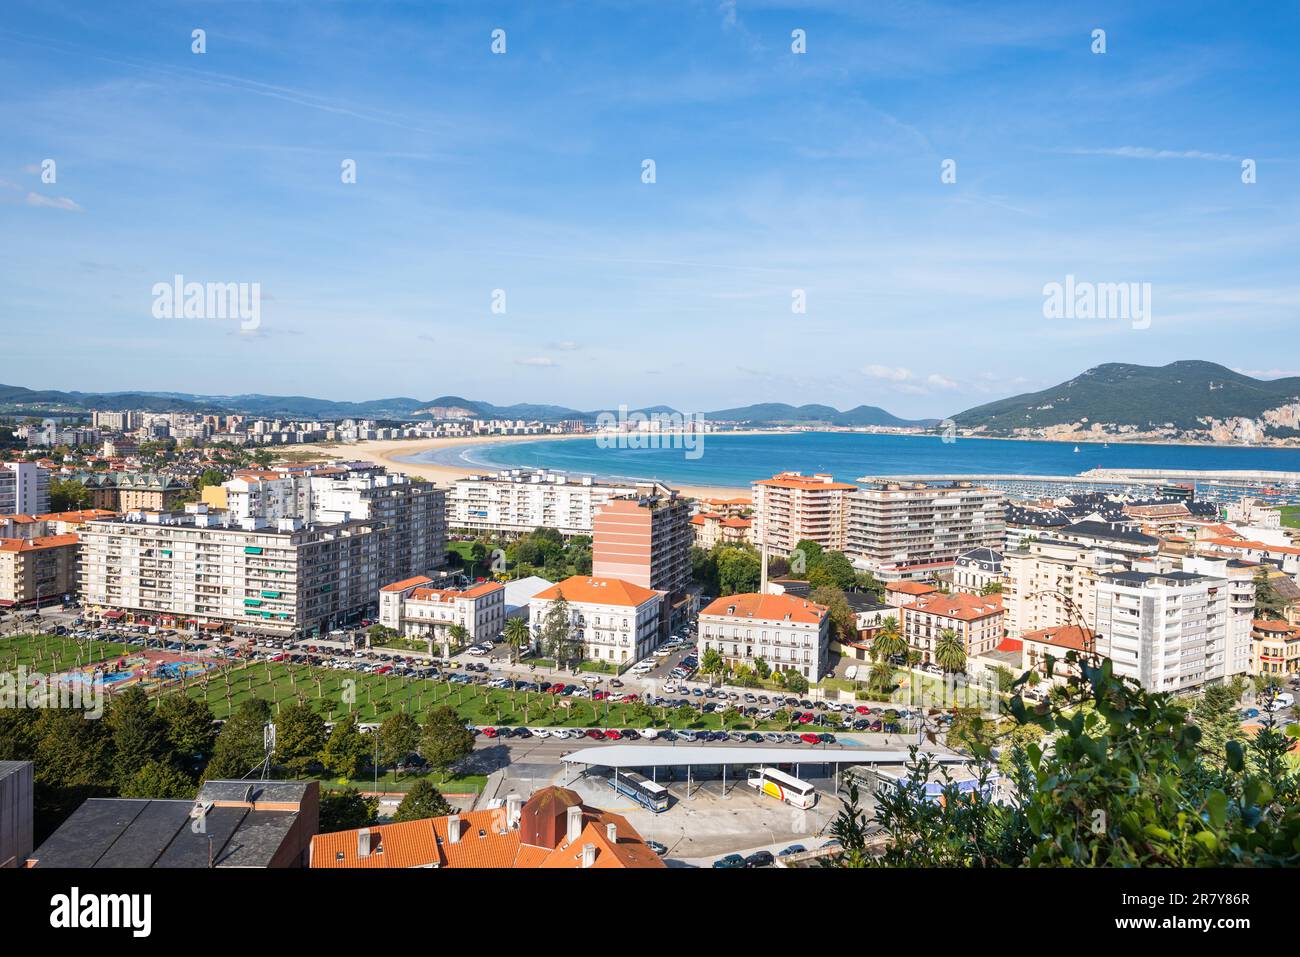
736, 460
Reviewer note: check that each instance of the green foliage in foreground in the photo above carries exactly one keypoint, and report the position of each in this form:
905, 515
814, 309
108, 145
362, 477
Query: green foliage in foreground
1120, 778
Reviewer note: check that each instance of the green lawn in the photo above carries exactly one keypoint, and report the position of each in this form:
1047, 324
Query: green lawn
1291, 516
51, 654
390, 783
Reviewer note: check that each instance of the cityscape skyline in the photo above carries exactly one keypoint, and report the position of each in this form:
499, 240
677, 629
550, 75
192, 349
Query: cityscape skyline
775, 172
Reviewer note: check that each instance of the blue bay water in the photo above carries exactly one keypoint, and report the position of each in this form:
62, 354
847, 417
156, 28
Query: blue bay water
736, 460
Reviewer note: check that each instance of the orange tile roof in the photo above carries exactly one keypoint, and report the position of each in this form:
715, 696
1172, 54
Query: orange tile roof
448, 594
736, 522
36, 544
599, 591
911, 588
959, 605
806, 483
80, 515
767, 608
406, 583
1062, 636
1278, 627
485, 842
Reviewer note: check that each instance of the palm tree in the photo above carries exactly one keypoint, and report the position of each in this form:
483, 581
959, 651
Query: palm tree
457, 635
518, 636
950, 651
889, 640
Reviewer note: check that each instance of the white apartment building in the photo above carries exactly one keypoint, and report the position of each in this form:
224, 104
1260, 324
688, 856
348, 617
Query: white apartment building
913, 531
617, 620
193, 570
1241, 607
415, 511
784, 630
417, 608
1169, 631
24, 489
521, 500
1042, 575
790, 507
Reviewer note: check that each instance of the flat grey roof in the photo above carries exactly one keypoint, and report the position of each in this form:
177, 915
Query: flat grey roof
650, 755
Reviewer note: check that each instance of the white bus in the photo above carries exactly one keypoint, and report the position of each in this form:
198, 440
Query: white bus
782, 786
641, 789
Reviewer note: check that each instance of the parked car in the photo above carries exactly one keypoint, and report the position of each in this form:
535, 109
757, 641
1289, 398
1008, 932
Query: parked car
792, 849
730, 861
760, 859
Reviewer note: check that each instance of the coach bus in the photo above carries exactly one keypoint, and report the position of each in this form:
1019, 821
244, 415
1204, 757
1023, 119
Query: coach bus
783, 787
641, 789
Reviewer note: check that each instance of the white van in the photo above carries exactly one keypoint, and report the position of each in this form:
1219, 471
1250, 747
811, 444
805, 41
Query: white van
1283, 699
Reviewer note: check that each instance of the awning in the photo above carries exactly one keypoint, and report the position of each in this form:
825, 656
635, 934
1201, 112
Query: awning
113, 615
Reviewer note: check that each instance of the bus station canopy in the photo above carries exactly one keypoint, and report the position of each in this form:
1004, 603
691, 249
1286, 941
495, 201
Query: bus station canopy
667, 755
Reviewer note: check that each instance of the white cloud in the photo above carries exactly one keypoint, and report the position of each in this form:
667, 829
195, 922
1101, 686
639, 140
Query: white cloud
52, 202
544, 362
1146, 152
568, 345
887, 373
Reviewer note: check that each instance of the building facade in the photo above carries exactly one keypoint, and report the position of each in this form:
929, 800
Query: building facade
518, 501
24, 488
1168, 631
785, 631
914, 531
976, 620
417, 608
790, 507
37, 570
616, 621
193, 569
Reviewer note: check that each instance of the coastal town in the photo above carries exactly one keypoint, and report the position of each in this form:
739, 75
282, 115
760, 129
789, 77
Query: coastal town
581, 671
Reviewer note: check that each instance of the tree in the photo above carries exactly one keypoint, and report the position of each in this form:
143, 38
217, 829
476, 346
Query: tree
240, 745
74, 761
795, 682
711, 662
889, 641
739, 570
422, 801
806, 556
950, 652
517, 635
445, 739
347, 750
1126, 783
1268, 603
844, 621
190, 730
399, 737
346, 809
559, 637
159, 780
67, 495
762, 668
457, 638
833, 569
880, 681
139, 734
299, 738
1215, 713
991, 588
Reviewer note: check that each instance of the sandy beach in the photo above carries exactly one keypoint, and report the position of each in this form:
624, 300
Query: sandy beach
387, 452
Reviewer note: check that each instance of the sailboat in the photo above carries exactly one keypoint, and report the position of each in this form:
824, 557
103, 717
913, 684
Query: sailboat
1076, 448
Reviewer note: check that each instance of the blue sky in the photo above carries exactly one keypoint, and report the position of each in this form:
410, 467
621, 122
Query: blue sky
522, 172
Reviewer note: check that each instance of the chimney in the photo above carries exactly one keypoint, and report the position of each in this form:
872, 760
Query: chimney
453, 829
514, 808
588, 855
363, 842
611, 832
574, 824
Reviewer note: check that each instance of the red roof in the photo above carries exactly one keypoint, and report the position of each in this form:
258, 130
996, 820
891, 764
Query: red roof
1062, 636
766, 608
406, 583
